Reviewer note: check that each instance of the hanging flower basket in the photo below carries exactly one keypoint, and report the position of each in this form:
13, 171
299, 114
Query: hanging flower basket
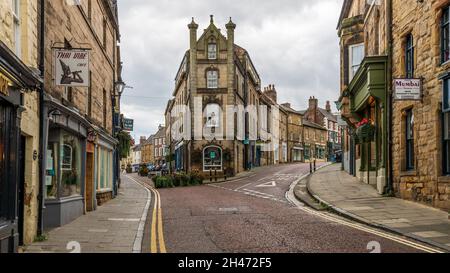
365, 131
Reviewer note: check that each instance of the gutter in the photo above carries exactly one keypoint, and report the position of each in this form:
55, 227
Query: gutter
389, 187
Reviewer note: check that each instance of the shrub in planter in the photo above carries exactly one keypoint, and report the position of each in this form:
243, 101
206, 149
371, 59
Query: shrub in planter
176, 178
196, 178
163, 182
184, 180
129, 169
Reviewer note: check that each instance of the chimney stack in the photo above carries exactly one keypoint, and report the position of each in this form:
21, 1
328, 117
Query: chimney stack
328, 106
142, 139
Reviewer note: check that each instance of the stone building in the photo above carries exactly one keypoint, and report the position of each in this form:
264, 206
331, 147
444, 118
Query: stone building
159, 146
78, 121
215, 82
420, 129
314, 141
147, 150
364, 98
324, 117
19, 124
295, 134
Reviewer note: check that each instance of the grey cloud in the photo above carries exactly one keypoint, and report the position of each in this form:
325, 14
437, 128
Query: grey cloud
293, 44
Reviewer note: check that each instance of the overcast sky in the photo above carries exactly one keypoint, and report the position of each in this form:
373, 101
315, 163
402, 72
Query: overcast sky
293, 44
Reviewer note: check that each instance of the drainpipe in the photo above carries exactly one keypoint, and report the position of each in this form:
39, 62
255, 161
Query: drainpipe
390, 182
40, 227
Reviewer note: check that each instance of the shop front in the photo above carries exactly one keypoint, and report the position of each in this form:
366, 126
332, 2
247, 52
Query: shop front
367, 94
104, 168
65, 164
15, 79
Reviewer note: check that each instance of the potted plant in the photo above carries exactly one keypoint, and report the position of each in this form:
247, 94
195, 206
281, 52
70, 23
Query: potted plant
365, 131
70, 179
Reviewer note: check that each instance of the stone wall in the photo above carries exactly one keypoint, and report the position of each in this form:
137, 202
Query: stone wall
425, 183
30, 116
72, 24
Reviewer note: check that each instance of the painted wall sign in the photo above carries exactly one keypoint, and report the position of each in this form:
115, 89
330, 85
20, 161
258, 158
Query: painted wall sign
408, 89
128, 124
71, 68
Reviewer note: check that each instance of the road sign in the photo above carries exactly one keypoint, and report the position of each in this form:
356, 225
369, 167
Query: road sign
128, 124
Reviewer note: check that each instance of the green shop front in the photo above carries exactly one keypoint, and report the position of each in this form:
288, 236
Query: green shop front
367, 97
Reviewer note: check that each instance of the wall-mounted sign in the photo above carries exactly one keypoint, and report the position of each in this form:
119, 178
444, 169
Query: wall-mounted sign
408, 89
71, 68
128, 124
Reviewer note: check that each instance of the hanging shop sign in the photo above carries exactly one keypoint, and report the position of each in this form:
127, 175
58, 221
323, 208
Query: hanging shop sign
128, 124
71, 68
408, 89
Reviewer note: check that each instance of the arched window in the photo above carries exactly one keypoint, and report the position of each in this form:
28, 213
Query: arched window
212, 115
212, 51
212, 158
212, 78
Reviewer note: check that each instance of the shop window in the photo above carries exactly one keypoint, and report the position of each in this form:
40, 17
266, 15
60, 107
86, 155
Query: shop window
212, 158
212, 77
70, 165
356, 55
105, 169
409, 134
7, 180
446, 144
409, 56
445, 33
212, 51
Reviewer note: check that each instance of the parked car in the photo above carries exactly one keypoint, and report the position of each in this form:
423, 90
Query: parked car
135, 168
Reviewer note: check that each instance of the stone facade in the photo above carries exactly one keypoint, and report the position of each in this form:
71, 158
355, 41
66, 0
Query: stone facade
86, 113
215, 73
426, 182
28, 54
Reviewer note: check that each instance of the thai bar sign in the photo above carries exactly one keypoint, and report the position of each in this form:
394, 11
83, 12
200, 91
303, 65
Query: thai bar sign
408, 89
71, 68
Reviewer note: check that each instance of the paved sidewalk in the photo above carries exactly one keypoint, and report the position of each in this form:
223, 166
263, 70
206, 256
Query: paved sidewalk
113, 227
346, 195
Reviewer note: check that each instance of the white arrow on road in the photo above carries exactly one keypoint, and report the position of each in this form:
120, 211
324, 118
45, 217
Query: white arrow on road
267, 185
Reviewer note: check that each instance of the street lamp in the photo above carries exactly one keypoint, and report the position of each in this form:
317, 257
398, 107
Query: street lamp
120, 87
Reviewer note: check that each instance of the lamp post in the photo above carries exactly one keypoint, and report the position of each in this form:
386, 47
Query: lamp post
119, 87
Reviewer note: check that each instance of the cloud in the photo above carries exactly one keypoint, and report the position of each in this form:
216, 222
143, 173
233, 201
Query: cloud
293, 44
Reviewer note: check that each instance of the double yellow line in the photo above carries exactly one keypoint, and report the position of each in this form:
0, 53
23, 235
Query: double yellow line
157, 234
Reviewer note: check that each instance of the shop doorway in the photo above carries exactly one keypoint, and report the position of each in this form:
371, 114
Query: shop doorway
89, 178
21, 190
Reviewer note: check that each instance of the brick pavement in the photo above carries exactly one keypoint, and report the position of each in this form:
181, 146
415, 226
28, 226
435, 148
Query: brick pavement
113, 227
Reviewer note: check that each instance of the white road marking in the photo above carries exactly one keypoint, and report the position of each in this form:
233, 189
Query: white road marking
270, 184
334, 218
124, 219
243, 186
137, 246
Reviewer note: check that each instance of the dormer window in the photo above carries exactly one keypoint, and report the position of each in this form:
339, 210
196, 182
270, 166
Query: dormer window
212, 51
212, 77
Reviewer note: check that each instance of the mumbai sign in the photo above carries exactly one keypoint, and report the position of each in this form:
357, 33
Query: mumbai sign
408, 89
128, 124
71, 68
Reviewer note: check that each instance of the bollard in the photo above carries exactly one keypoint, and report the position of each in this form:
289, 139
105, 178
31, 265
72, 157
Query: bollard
314, 165
215, 174
310, 167
210, 175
